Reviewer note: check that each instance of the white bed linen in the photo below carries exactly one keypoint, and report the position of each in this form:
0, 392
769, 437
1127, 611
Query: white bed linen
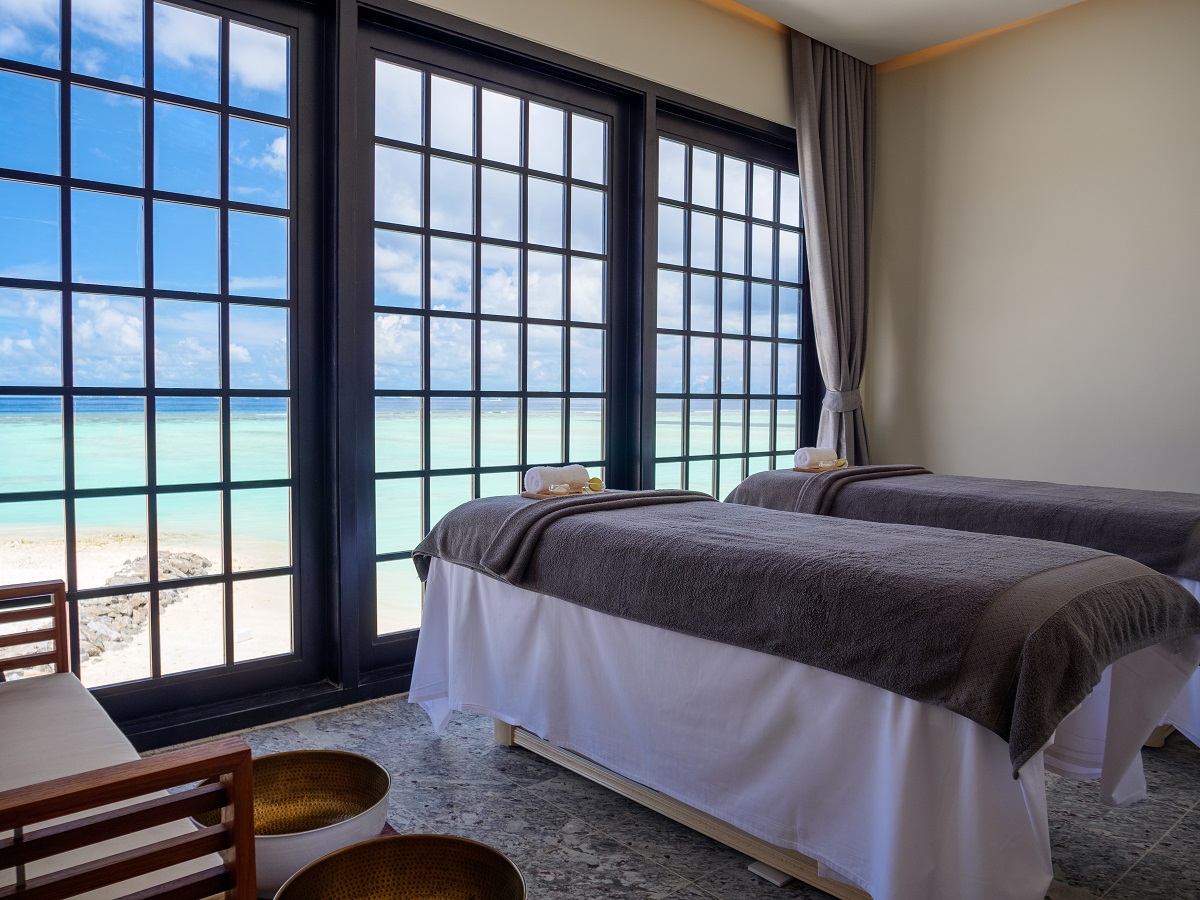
907, 800
1184, 713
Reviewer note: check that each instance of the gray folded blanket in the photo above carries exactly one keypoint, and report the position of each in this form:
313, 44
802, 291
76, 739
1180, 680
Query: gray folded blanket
1010, 633
1160, 529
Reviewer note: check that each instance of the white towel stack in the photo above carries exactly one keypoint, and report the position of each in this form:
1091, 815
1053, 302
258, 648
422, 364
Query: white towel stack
539, 479
807, 457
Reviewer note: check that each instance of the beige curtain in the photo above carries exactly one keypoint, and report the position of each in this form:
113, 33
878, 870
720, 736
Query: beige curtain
835, 137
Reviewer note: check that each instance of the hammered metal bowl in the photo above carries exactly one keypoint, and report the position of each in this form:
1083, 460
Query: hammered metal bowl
308, 803
409, 867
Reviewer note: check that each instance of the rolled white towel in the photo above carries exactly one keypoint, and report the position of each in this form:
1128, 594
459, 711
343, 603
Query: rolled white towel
539, 478
807, 457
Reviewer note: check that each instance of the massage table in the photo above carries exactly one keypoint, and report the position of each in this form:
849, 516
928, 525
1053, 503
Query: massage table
826, 777
1160, 529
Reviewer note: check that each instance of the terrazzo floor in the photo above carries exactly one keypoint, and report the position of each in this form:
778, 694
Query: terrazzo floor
572, 838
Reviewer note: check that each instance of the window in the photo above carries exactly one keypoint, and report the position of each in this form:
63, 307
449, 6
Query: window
730, 295
147, 330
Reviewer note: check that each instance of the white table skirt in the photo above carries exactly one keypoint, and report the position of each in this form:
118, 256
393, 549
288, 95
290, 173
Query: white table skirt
906, 800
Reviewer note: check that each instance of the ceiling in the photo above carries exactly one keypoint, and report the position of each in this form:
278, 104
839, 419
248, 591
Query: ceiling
875, 30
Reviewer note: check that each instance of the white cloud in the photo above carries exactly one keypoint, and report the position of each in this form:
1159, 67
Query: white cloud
116, 323
239, 354
256, 285
396, 269
258, 59
115, 21
188, 39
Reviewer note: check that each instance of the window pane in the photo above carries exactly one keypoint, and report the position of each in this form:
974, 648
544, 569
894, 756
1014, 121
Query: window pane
452, 116
107, 338
498, 484
704, 241
451, 435
732, 421
729, 475
545, 206
544, 358
110, 532
500, 363
704, 177
258, 69
106, 239
668, 476
761, 309
501, 128
704, 303
106, 39
733, 306
587, 431
187, 157
397, 186
258, 163
733, 246
789, 369
760, 427
668, 428
670, 235
191, 629
789, 312
398, 428
108, 654
762, 254
587, 360
33, 33
260, 524
451, 274
258, 255
451, 352
262, 618
30, 233
670, 299
187, 435
789, 199
700, 428
445, 493
761, 367
30, 337
398, 597
258, 347
35, 425
543, 424
500, 198
587, 289
732, 361
500, 433
785, 426
499, 280
588, 220
28, 121
187, 48
703, 366
397, 515
789, 256
186, 239
670, 364
189, 535
397, 269
546, 138
399, 111
451, 195
588, 144
764, 192
258, 438
397, 352
545, 299
187, 344
672, 170
733, 188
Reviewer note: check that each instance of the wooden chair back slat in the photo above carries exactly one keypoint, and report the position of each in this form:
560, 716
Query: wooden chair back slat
27, 637
19, 603
72, 835
121, 866
191, 887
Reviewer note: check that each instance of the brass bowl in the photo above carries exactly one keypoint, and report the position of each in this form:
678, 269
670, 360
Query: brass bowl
308, 803
409, 867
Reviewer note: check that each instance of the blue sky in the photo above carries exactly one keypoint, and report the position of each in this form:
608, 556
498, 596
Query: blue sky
109, 234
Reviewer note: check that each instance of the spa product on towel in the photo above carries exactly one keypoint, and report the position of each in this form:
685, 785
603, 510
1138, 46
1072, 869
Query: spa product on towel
540, 479
807, 457
1010, 633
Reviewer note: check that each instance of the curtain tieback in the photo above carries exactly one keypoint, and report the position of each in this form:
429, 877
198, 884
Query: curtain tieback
842, 401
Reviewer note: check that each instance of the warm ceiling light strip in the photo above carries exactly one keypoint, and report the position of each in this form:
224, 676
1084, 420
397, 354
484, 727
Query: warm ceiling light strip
929, 54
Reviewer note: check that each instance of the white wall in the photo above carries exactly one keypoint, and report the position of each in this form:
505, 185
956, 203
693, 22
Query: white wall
1036, 277
714, 49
